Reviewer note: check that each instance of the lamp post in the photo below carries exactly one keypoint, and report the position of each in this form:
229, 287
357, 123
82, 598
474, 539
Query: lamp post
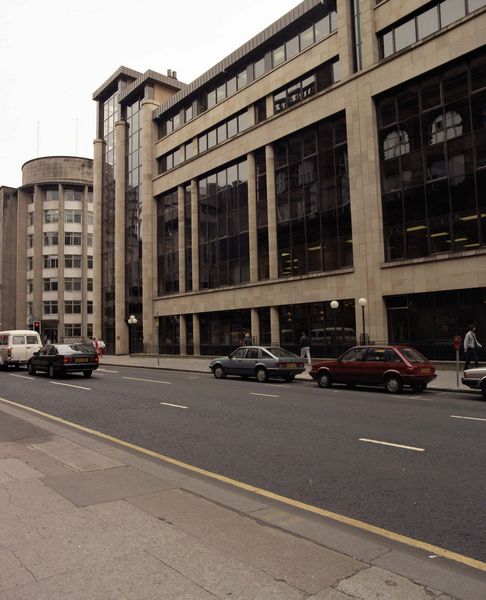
132, 320
363, 302
335, 305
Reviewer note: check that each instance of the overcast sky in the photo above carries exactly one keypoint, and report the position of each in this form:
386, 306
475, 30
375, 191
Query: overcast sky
55, 53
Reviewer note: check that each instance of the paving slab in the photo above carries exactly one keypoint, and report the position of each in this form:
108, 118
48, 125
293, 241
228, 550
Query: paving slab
75, 456
302, 564
93, 487
13, 429
18, 470
138, 576
12, 573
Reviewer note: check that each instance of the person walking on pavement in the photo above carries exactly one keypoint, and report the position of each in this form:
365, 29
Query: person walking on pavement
305, 347
471, 346
247, 340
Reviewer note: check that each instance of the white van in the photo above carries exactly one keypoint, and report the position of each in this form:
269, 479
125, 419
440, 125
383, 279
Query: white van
17, 346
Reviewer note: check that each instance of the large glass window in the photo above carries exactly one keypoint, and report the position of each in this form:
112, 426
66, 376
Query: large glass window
168, 244
432, 165
313, 202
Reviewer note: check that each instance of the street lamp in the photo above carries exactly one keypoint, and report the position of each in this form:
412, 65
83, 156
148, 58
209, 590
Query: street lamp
132, 320
363, 302
335, 305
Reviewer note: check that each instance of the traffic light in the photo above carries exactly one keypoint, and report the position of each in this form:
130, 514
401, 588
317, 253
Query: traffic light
37, 326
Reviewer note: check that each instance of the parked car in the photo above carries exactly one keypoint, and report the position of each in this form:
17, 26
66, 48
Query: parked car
261, 362
391, 366
475, 379
17, 346
56, 359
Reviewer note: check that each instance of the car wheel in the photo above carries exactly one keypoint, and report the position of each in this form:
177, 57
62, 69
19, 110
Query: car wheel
218, 372
87, 373
31, 368
419, 387
324, 379
289, 377
261, 375
393, 384
50, 371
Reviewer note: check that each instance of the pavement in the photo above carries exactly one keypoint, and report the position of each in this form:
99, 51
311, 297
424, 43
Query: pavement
88, 517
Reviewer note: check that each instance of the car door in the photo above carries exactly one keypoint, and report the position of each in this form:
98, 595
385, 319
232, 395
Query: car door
373, 365
349, 366
40, 361
251, 360
19, 352
236, 364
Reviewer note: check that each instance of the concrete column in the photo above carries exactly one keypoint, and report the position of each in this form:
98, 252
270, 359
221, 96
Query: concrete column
252, 217
196, 334
255, 326
182, 335
270, 106
20, 296
84, 266
149, 229
345, 40
97, 236
271, 211
182, 239
121, 326
195, 241
60, 267
274, 326
369, 47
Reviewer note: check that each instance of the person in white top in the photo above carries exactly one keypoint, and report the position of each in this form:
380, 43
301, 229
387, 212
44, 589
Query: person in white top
471, 346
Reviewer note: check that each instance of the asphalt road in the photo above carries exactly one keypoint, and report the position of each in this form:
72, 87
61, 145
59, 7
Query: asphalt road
329, 448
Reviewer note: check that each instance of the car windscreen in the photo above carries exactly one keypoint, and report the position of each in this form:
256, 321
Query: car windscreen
278, 352
412, 355
74, 349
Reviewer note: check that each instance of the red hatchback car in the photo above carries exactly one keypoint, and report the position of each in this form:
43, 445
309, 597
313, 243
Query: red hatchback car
391, 366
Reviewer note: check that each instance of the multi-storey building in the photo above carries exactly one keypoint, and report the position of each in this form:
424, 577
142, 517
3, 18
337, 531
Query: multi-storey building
54, 247
8, 261
338, 155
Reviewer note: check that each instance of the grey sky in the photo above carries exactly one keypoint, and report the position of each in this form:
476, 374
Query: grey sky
55, 53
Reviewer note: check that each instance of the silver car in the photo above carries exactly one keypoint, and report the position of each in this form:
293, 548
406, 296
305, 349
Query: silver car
476, 380
261, 362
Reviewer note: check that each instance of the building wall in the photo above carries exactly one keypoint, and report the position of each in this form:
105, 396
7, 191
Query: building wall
8, 266
54, 247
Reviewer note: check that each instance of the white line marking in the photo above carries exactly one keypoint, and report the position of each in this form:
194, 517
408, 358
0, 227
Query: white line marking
24, 377
394, 445
174, 405
80, 387
266, 395
467, 418
149, 380
107, 370
193, 377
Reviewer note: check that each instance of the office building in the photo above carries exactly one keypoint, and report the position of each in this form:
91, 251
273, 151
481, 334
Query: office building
339, 155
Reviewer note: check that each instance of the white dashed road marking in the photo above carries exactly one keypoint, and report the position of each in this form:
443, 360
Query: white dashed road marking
467, 418
24, 377
107, 370
149, 380
80, 387
266, 395
393, 445
173, 405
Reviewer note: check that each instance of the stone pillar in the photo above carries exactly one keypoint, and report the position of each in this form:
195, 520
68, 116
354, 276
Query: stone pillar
274, 326
149, 229
61, 251
97, 237
196, 334
271, 211
84, 266
345, 40
270, 106
195, 242
182, 335
255, 326
370, 51
20, 295
121, 326
182, 239
252, 217
37, 306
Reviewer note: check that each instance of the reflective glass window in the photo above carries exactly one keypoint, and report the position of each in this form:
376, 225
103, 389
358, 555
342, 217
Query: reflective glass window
405, 35
428, 22
451, 10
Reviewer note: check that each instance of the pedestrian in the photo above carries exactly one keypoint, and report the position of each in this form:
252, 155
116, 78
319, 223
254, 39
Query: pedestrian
100, 347
305, 347
247, 340
94, 343
471, 347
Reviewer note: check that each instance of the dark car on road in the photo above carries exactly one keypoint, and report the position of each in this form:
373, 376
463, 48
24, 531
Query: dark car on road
475, 379
57, 359
390, 366
261, 362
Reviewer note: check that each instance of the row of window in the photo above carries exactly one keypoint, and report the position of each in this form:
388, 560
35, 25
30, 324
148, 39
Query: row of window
71, 284
70, 194
296, 92
71, 307
70, 216
325, 23
424, 23
71, 261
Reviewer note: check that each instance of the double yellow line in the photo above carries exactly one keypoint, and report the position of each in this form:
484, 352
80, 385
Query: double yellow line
396, 537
